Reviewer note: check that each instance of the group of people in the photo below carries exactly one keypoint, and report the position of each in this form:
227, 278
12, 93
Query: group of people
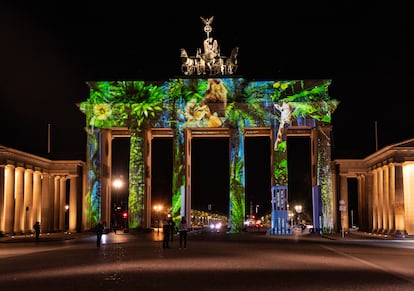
168, 229
168, 232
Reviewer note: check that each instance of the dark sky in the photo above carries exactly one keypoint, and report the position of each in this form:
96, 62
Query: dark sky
48, 52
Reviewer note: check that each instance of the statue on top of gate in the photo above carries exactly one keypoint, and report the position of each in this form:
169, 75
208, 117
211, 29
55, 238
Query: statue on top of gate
209, 61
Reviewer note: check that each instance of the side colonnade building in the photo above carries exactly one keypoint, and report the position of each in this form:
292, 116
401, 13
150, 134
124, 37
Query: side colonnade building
33, 189
385, 190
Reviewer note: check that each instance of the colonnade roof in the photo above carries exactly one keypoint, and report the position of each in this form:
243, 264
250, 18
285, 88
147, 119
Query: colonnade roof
10, 156
396, 153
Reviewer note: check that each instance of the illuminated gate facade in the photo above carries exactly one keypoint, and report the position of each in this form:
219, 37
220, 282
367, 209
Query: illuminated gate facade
185, 108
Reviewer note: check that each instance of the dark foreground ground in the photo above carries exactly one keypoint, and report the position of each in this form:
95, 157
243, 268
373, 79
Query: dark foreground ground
212, 261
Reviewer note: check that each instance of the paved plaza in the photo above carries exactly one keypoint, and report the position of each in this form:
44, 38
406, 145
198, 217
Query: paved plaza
212, 261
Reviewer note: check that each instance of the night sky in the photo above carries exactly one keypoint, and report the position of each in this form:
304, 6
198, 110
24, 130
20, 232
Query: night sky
49, 52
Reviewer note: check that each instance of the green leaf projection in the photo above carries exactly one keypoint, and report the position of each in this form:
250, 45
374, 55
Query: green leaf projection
236, 104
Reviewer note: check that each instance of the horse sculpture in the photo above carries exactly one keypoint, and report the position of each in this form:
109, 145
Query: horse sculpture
200, 63
187, 63
231, 62
218, 66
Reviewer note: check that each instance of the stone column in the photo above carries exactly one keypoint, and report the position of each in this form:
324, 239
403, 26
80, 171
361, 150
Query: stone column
47, 211
148, 179
386, 187
19, 210
73, 194
392, 197
361, 198
56, 201
408, 173
400, 227
8, 203
380, 188
62, 204
37, 196
375, 223
28, 198
186, 194
85, 207
106, 161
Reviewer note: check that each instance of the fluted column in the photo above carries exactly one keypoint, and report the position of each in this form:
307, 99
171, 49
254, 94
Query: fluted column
386, 197
37, 196
391, 171
365, 203
399, 200
28, 198
73, 203
380, 188
56, 201
62, 204
48, 198
408, 172
361, 198
8, 203
19, 210
375, 223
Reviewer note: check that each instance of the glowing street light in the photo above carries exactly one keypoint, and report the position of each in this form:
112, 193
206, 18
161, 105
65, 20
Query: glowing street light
117, 183
157, 209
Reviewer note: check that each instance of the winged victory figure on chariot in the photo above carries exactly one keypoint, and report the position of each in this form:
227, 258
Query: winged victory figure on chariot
209, 61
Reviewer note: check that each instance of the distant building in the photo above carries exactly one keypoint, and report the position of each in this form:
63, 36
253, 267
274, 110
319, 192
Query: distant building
33, 189
384, 191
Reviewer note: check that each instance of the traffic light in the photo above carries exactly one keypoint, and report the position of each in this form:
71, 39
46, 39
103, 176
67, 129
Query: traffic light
125, 214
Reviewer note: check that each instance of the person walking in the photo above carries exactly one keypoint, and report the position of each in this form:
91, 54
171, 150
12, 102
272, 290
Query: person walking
36, 227
166, 230
182, 229
99, 231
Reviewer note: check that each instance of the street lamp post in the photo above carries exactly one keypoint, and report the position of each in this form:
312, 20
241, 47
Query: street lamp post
157, 209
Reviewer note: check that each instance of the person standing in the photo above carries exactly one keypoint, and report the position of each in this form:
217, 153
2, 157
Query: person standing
36, 227
166, 230
114, 227
99, 231
172, 226
183, 229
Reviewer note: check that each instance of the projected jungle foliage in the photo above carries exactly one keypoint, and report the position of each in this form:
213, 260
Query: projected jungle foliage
233, 103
